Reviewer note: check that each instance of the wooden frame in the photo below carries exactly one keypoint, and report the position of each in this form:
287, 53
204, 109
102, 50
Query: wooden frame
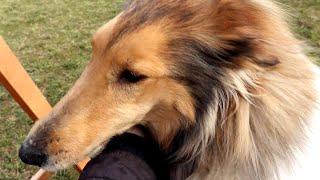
19, 84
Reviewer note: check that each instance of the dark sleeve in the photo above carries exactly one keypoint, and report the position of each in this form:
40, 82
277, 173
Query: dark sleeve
127, 157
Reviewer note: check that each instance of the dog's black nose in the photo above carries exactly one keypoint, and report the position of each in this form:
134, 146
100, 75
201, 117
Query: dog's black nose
31, 155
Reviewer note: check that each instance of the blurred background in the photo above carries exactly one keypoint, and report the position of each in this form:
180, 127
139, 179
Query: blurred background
52, 40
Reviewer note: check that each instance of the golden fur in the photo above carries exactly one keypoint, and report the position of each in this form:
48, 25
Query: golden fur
224, 88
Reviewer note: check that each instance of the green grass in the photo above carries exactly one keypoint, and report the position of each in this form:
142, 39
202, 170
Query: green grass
305, 16
52, 39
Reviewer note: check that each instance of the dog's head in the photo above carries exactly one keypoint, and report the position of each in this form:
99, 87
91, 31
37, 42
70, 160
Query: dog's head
187, 70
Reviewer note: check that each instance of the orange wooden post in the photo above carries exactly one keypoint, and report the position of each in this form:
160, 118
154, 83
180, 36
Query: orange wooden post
16, 80
19, 84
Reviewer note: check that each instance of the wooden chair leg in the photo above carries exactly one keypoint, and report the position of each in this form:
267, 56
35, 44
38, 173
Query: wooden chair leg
19, 84
42, 175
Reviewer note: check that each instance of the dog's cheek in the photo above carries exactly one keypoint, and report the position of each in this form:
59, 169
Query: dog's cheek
184, 103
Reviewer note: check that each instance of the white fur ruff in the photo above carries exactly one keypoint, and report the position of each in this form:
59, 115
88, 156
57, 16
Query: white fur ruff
307, 162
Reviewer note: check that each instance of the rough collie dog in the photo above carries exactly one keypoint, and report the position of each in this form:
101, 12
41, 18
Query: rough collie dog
222, 85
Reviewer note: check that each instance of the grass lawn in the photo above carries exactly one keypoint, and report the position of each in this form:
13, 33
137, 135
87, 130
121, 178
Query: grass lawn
52, 39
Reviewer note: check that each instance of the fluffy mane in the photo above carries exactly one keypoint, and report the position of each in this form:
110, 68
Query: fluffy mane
251, 83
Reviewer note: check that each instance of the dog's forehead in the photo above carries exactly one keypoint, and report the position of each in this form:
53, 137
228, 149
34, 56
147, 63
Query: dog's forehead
140, 49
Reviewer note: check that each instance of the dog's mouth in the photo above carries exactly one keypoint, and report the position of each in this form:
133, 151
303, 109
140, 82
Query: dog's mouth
56, 161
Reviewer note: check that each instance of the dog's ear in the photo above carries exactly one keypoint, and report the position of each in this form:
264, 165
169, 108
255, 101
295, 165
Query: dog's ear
242, 30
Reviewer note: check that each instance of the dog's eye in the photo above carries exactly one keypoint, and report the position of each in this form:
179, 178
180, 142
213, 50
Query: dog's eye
128, 76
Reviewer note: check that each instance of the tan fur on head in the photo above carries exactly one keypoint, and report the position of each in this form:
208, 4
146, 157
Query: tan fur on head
222, 85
